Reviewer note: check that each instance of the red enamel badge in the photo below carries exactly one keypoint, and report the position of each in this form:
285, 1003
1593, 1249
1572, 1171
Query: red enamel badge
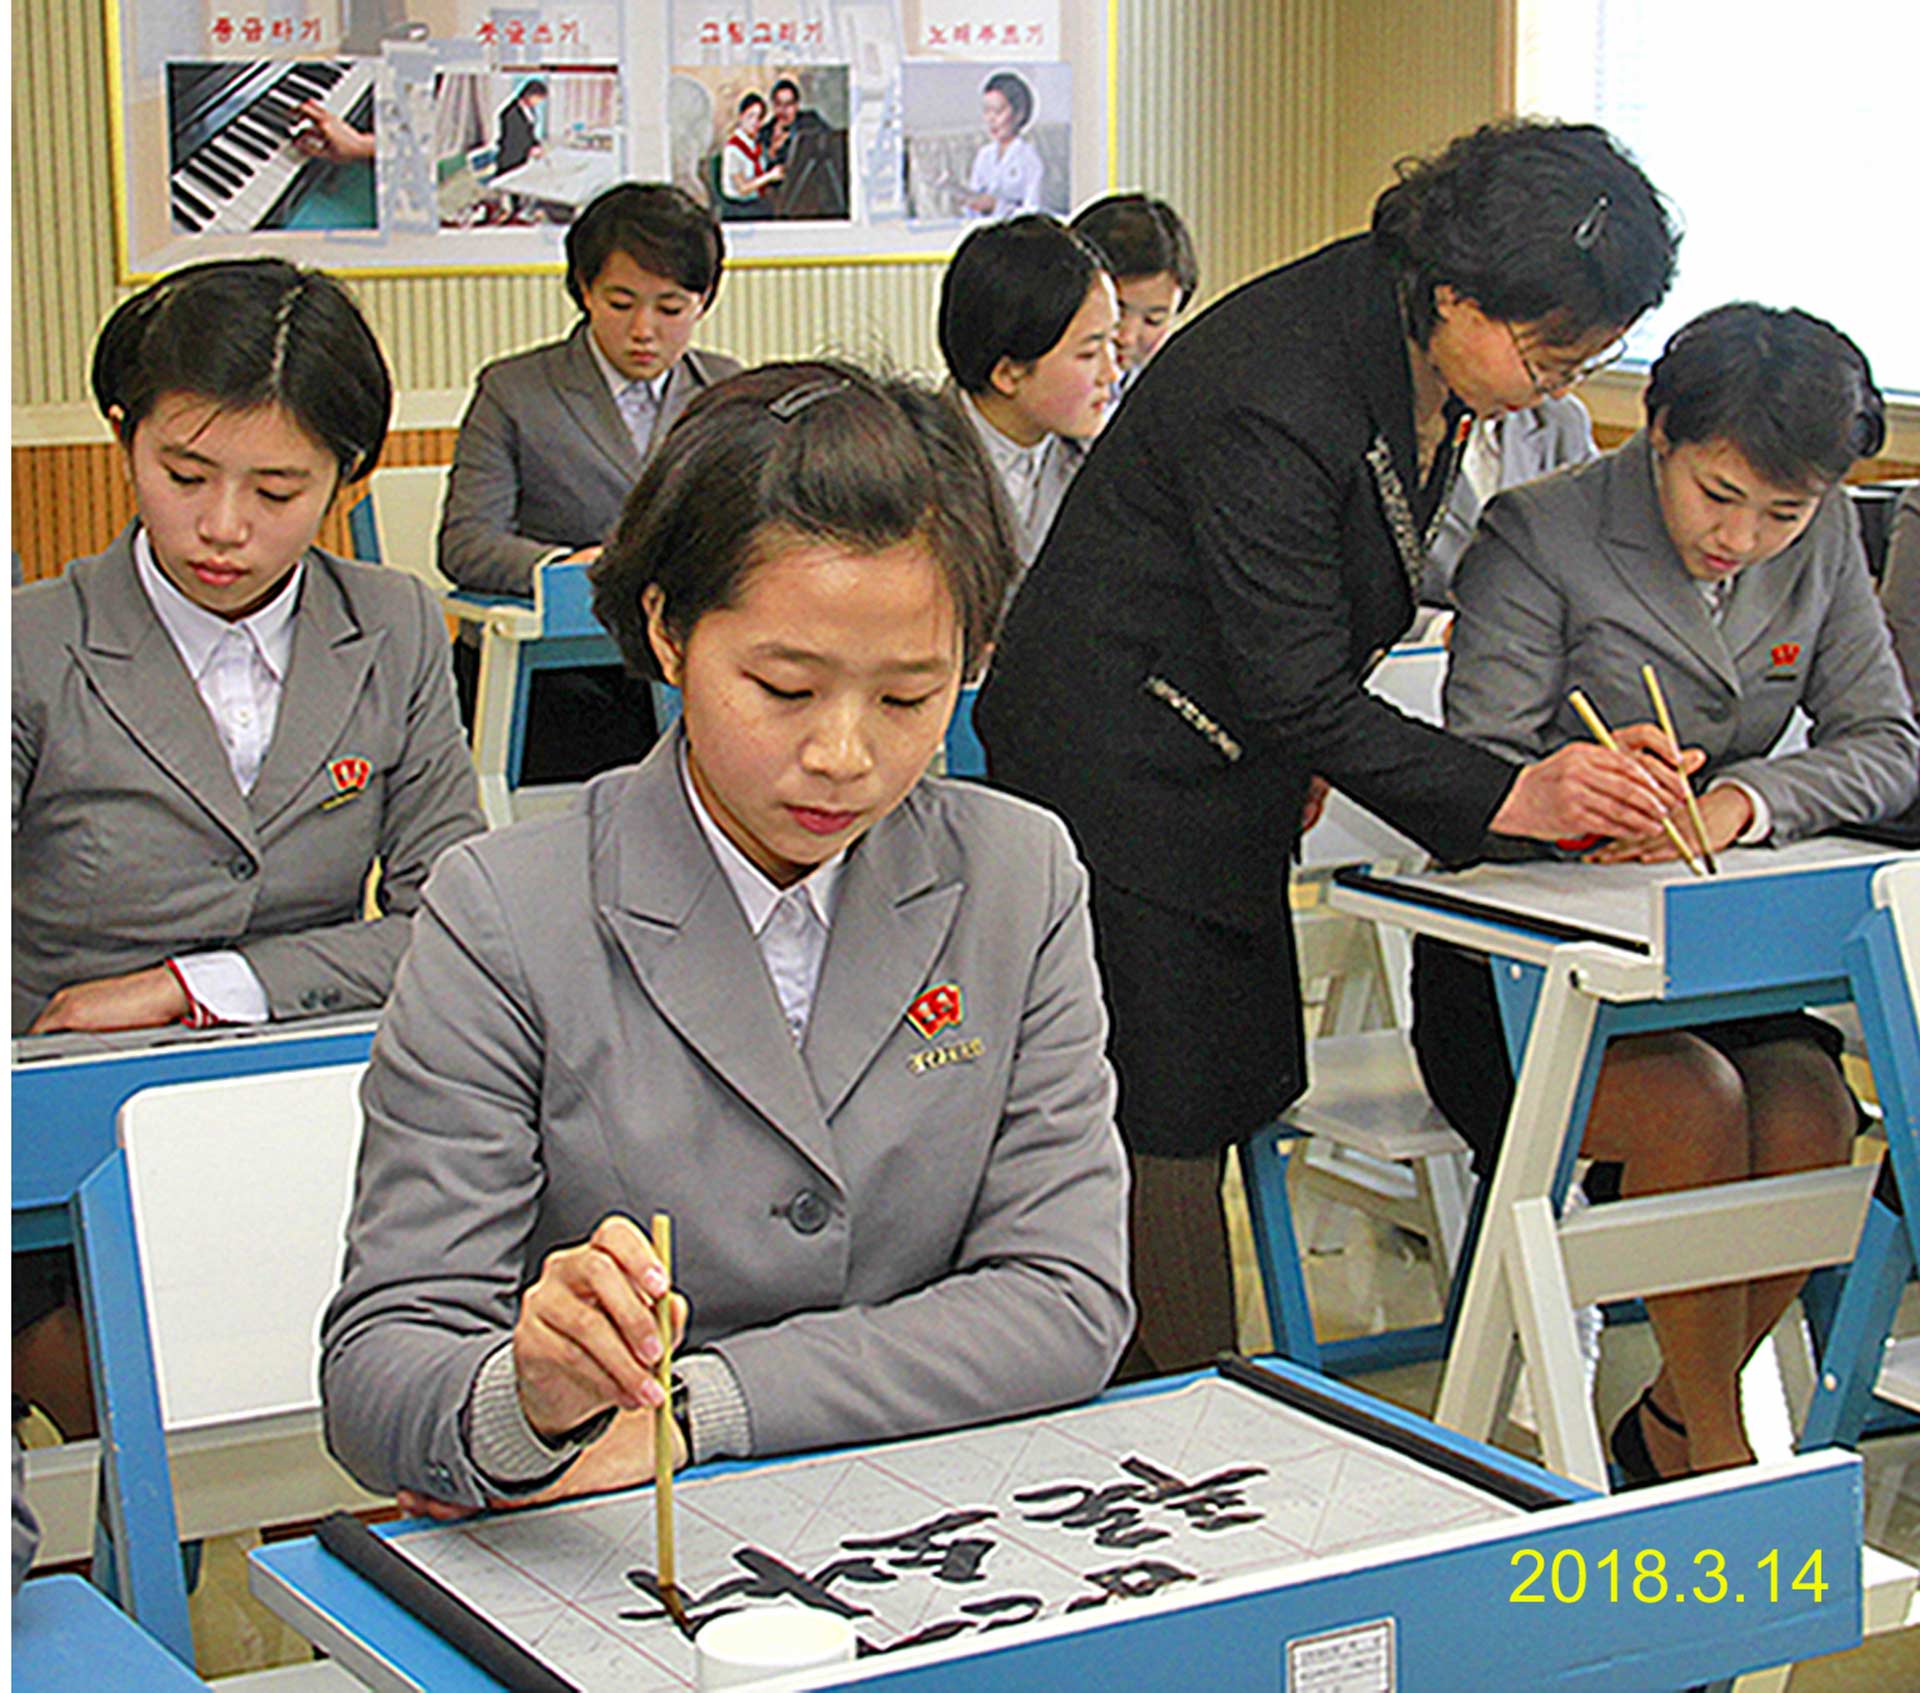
1786, 653
936, 1009
350, 775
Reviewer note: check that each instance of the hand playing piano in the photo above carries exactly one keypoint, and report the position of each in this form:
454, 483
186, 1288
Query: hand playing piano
330, 137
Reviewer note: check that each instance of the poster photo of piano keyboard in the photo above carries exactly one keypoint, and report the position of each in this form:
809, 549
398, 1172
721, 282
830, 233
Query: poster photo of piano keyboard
270, 144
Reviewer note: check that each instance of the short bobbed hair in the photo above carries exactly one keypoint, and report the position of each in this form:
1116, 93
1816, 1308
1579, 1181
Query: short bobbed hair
1010, 292
1535, 222
821, 451
244, 333
1786, 388
663, 229
1016, 91
1141, 236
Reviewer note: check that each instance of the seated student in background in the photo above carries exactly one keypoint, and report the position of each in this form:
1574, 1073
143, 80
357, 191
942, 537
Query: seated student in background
840, 1023
1027, 316
218, 729
1900, 587
1150, 256
1502, 451
554, 438
1718, 546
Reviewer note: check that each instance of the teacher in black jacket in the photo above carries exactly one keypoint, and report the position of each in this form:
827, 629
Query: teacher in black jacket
1188, 652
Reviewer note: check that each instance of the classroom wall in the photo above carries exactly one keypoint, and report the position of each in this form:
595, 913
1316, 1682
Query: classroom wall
1270, 123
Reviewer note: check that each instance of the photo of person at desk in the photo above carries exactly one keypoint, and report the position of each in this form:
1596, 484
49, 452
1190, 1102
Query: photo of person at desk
519, 138
219, 729
839, 1022
1718, 547
809, 153
554, 439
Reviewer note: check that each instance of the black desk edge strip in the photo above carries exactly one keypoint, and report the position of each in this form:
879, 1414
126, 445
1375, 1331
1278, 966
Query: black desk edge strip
1409, 1443
452, 1618
1462, 905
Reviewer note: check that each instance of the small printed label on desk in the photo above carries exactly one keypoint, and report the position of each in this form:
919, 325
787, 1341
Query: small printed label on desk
1359, 1659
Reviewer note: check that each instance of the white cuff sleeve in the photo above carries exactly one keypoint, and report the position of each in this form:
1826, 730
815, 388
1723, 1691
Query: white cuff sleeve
1762, 825
224, 986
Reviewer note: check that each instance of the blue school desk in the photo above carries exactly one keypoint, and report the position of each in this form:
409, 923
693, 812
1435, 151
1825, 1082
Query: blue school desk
1883, 961
554, 630
66, 1635
1581, 954
1443, 1604
68, 1089
67, 1186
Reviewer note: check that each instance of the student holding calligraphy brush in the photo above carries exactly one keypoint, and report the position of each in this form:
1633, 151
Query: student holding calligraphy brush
1718, 547
842, 1024
1190, 650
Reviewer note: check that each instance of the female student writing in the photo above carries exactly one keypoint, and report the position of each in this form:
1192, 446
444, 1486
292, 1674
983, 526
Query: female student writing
1027, 316
1150, 256
219, 729
1718, 547
840, 1023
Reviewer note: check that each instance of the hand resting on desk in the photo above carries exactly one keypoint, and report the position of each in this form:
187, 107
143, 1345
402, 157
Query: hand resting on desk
1726, 811
141, 999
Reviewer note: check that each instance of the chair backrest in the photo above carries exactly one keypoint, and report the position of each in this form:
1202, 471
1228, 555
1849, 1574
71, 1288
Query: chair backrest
406, 501
240, 1189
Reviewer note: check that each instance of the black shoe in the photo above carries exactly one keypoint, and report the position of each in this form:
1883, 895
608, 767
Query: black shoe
1628, 1444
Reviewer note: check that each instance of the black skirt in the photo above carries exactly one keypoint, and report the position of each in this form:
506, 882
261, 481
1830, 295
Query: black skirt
1206, 1029
1462, 1051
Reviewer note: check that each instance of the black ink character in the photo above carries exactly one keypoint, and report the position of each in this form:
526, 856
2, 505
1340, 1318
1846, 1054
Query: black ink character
924, 1547
1129, 1581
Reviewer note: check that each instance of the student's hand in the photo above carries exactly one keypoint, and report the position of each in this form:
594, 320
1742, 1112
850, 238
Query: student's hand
586, 555
145, 999
622, 1457
1316, 802
1726, 812
588, 1334
1586, 789
329, 137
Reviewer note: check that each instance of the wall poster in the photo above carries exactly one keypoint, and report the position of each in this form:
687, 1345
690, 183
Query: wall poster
445, 135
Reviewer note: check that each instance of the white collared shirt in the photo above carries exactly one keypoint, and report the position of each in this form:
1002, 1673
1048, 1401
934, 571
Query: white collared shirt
1034, 484
240, 670
618, 384
790, 924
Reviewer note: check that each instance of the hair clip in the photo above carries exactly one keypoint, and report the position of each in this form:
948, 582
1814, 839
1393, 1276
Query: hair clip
796, 400
1587, 232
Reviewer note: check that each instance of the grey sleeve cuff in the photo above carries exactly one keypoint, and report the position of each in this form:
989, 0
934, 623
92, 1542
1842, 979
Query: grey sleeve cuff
717, 1422
502, 1445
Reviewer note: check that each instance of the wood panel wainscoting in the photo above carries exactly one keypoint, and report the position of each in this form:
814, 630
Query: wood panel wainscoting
70, 500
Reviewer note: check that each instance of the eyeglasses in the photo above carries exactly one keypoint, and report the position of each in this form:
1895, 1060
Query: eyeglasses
1559, 381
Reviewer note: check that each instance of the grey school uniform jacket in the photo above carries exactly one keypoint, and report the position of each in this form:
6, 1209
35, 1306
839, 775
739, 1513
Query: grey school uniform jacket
916, 1219
544, 461
1573, 583
131, 839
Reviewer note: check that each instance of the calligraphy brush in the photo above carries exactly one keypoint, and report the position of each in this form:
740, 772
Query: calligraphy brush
1660, 711
663, 1435
1604, 736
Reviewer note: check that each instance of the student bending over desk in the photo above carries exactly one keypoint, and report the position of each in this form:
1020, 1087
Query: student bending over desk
218, 729
1718, 547
841, 1024
554, 438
